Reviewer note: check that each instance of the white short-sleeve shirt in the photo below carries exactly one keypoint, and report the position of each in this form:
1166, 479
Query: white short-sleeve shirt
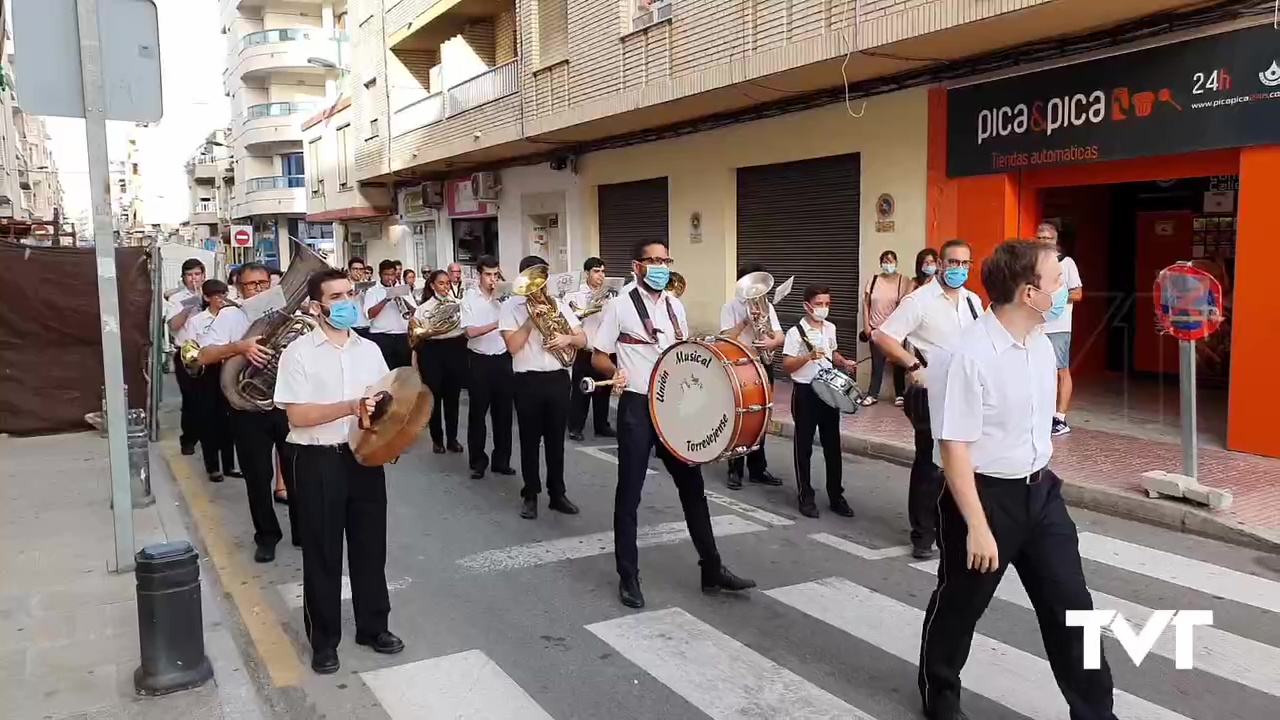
173, 308
929, 320
315, 370
794, 346
736, 310
196, 326
591, 323
997, 395
228, 327
391, 320
479, 310
533, 357
1070, 279
424, 311
620, 318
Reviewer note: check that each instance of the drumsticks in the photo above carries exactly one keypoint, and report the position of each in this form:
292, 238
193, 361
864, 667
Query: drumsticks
588, 386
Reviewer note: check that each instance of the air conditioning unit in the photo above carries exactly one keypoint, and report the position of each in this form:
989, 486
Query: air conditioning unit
484, 186
432, 194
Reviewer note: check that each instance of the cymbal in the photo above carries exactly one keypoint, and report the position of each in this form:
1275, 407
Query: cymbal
395, 428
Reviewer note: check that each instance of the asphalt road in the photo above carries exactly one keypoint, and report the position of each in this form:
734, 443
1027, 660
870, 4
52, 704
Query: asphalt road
499, 626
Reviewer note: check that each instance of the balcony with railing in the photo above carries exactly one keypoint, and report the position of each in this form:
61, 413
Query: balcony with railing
465, 97
271, 195
204, 212
272, 123
208, 166
291, 50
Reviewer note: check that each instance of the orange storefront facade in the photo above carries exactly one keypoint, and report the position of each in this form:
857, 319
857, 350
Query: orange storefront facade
1182, 137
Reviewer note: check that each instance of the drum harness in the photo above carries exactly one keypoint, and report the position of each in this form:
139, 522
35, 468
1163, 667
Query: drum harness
648, 322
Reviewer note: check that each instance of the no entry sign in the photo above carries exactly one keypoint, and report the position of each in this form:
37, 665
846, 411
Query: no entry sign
241, 236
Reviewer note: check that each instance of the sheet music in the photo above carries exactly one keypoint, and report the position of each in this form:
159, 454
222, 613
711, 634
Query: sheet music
263, 303
192, 302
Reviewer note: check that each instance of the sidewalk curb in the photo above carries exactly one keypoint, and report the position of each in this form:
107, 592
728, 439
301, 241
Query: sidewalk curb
1170, 514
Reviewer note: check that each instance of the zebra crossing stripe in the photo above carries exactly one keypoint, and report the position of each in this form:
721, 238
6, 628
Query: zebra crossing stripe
1007, 675
717, 674
1192, 574
1217, 652
464, 685
750, 511
572, 548
861, 551
291, 593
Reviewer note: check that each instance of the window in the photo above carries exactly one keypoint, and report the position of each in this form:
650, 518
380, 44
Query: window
291, 166
648, 12
344, 147
373, 127
473, 238
356, 246
313, 167
369, 86
553, 31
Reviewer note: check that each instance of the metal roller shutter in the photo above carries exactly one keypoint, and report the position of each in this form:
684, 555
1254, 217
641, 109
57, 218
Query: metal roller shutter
802, 218
630, 212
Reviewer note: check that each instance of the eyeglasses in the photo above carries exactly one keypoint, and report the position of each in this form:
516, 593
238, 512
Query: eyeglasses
649, 261
953, 263
256, 285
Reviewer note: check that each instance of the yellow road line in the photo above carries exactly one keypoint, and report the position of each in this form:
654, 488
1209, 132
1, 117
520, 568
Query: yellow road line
265, 628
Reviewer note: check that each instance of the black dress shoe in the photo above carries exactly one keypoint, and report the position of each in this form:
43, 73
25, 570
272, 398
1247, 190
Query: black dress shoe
215, 477
840, 506
808, 508
325, 662
234, 474
735, 479
722, 579
956, 714
477, 473
454, 446
922, 552
576, 436
766, 478
529, 508
384, 642
606, 432
188, 449
437, 448
629, 593
505, 470
564, 505
264, 553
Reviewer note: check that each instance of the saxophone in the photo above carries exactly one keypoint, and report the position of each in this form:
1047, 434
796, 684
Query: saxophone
544, 311
251, 388
444, 318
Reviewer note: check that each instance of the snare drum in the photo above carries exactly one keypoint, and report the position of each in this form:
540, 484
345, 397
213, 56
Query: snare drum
710, 399
837, 389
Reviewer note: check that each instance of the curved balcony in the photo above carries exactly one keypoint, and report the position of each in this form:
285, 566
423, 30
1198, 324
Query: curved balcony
272, 123
287, 50
273, 195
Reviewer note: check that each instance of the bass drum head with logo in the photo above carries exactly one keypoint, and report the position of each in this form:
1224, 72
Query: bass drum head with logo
837, 390
693, 402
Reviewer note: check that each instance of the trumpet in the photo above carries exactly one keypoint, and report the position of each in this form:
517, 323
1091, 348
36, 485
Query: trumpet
543, 310
676, 284
406, 310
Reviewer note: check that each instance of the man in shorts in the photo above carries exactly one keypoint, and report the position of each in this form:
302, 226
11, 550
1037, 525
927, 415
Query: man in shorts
1059, 329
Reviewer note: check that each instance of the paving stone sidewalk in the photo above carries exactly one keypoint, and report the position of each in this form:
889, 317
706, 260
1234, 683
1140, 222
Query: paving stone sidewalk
68, 627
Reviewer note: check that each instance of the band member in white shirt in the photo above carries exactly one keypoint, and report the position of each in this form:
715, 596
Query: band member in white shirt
490, 391
638, 325
177, 315
324, 378
388, 326
736, 321
542, 394
256, 434
810, 346
214, 414
593, 272
442, 365
991, 401
358, 272
931, 319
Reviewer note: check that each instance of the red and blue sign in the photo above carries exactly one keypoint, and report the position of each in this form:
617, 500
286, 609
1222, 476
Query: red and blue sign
1188, 302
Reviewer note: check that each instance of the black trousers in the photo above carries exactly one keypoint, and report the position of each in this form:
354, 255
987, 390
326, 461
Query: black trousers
191, 410
490, 393
597, 402
1035, 534
878, 361
394, 347
542, 409
755, 460
926, 480
812, 416
442, 364
256, 435
214, 421
637, 438
364, 332
337, 497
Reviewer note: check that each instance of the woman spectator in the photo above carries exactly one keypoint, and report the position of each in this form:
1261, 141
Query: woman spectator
880, 299
926, 267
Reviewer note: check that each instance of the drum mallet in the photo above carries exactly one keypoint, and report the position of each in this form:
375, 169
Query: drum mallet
588, 386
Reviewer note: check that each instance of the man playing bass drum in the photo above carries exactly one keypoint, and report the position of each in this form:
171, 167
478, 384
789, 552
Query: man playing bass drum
638, 325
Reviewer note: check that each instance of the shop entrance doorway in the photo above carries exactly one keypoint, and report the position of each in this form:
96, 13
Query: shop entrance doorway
1121, 235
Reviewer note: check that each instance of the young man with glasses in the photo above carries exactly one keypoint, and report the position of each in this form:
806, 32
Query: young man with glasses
931, 319
638, 326
1058, 328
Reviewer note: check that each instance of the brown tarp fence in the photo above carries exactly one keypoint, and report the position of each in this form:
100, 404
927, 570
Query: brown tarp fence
50, 335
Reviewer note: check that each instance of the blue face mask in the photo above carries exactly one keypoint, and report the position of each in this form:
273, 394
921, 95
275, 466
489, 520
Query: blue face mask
1058, 306
342, 315
657, 276
954, 277
928, 270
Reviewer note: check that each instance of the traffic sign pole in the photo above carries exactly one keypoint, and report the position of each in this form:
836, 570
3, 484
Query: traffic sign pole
1187, 390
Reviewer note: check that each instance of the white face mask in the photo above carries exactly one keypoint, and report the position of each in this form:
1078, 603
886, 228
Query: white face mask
820, 312
888, 268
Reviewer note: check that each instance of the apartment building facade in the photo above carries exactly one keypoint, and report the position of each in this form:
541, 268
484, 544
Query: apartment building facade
284, 58
210, 179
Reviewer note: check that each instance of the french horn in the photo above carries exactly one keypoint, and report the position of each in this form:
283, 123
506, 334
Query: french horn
676, 284
442, 319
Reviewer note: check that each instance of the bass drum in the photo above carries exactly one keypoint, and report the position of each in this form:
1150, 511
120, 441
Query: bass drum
710, 399
837, 389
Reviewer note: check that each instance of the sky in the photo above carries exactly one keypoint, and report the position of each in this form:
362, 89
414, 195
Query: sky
192, 57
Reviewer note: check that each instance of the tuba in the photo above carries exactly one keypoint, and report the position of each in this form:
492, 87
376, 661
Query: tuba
544, 310
251, 388
444, 318
754, 289
676, 285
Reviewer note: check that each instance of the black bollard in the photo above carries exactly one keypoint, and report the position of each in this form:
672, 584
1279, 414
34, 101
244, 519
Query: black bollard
170, 622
